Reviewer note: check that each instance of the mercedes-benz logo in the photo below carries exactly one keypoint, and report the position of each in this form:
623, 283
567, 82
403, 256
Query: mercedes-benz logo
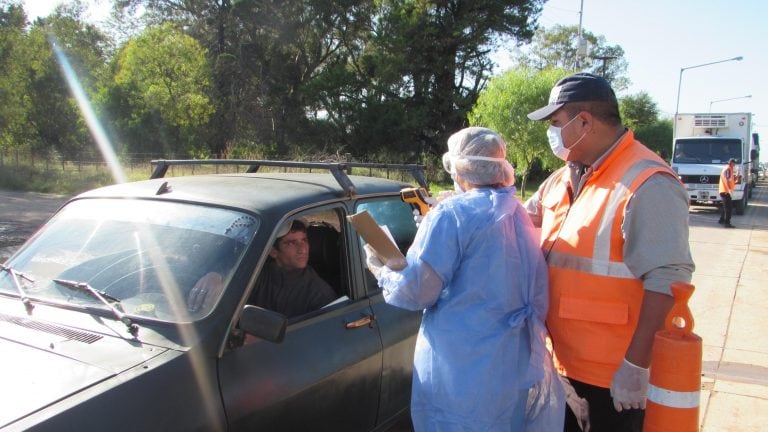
703, 179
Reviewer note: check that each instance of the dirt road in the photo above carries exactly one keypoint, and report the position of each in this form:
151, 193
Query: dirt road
21, 214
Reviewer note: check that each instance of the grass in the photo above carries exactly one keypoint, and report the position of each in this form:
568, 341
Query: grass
72, 179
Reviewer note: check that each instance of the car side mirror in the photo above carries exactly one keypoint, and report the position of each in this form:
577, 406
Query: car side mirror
263, 323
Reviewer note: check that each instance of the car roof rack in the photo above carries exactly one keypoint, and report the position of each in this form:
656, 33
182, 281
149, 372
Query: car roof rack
339, 170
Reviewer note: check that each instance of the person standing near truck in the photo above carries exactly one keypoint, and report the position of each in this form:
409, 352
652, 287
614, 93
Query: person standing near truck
614, 230
726, 187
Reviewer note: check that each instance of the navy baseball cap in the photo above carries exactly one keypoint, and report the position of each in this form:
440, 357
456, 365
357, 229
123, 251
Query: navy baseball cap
580, 87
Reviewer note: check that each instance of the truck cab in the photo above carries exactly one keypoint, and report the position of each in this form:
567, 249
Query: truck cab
703, 145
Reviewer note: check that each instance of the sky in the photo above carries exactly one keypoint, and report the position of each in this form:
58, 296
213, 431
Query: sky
97, 9
660, 38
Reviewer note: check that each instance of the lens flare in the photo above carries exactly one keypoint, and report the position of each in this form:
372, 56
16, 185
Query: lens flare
200, 364
101, 138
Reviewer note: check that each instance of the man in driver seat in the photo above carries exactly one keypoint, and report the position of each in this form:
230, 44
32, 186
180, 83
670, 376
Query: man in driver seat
287, 284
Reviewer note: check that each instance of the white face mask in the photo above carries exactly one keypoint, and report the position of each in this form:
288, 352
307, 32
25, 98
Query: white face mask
555, 136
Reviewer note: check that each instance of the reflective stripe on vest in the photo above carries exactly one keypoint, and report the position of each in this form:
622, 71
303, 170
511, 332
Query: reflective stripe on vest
600, 263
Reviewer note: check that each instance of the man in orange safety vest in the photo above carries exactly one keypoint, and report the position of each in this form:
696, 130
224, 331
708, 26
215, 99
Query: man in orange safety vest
614, 230
726, 187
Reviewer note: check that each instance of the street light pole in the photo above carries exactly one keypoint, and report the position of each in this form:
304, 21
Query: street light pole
581, 44
729, 99
680, 81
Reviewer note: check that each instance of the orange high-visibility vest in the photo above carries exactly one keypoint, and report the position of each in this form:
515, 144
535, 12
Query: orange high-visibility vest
594, 300
726, 175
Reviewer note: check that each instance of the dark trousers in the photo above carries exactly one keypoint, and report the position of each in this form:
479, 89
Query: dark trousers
727, 207
603, 417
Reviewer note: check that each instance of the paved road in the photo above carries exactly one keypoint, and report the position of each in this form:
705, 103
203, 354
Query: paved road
21, 213
729, 304
729, 308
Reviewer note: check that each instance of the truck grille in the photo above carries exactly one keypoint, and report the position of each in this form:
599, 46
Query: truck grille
700, 179
710, 121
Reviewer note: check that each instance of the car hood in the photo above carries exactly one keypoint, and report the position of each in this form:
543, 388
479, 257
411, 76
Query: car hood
36, 374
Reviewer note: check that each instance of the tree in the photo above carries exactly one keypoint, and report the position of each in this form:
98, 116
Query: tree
384, 75
638, 110
641, 114
410, 81
14, 84
557, 47
504, 107
53, 117
657, 136
163, 78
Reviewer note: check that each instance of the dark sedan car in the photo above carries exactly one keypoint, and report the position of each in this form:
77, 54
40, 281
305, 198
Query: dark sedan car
98, 330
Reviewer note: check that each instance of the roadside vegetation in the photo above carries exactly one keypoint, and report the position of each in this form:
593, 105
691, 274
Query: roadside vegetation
362, 80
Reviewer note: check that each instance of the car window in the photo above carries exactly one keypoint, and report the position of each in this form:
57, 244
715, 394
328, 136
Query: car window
398, 217
307, 268
147, 255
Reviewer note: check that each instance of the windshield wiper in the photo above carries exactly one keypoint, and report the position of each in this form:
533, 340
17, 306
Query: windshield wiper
104, 298
22, 294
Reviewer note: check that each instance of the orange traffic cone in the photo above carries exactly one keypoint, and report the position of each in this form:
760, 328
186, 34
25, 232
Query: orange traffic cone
675, 381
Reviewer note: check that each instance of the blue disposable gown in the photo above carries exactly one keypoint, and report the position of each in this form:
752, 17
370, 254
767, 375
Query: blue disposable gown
476, 269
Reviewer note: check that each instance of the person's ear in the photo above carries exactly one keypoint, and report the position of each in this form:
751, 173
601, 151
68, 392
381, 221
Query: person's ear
273, 252
585, 120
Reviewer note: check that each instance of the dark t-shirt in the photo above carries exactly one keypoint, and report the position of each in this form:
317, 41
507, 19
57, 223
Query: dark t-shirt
291, 292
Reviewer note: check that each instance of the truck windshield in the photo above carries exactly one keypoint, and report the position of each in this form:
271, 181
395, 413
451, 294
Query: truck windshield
707, 151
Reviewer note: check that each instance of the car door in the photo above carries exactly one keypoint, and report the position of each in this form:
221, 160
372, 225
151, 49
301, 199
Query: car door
324, 375
398, 327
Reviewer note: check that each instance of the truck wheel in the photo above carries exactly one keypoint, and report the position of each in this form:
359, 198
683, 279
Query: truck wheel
741, 204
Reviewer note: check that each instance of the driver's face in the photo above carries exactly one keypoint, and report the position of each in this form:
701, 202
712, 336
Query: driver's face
292, 251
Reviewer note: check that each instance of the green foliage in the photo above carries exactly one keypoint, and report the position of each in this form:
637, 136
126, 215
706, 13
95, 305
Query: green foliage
13, 81
638, 110
370, 79
504, 107
556, 47
657, 136
53, 179
641, 114
38, 111
162, 82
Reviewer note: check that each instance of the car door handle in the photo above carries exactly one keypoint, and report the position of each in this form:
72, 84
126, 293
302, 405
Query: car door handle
362, 322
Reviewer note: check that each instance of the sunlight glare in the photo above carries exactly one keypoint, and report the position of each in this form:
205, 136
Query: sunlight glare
105, 146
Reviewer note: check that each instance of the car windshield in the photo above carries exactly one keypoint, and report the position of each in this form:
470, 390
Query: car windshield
145, 255
707, 151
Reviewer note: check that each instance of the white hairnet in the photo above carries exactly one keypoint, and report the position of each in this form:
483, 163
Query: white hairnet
479, 156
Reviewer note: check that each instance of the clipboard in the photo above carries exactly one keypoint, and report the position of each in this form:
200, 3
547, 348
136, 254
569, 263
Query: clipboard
379, 239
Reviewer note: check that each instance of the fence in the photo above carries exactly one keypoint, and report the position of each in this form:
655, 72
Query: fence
139, 167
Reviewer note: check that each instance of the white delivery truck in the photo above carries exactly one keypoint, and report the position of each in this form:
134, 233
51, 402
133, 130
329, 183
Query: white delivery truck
702, 146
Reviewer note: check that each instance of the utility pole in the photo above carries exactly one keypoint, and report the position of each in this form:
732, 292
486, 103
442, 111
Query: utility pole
581, 44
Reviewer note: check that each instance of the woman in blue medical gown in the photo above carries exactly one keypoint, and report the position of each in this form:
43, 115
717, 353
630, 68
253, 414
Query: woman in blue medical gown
476, 270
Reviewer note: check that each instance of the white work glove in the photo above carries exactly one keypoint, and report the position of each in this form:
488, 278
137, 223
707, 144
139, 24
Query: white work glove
629, 387
417, 216
579, 406
373, 262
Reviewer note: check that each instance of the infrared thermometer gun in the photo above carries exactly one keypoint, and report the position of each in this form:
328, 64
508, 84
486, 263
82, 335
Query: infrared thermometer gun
417, 196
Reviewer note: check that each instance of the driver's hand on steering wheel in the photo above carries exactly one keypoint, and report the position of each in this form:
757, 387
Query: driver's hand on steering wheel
205, 292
